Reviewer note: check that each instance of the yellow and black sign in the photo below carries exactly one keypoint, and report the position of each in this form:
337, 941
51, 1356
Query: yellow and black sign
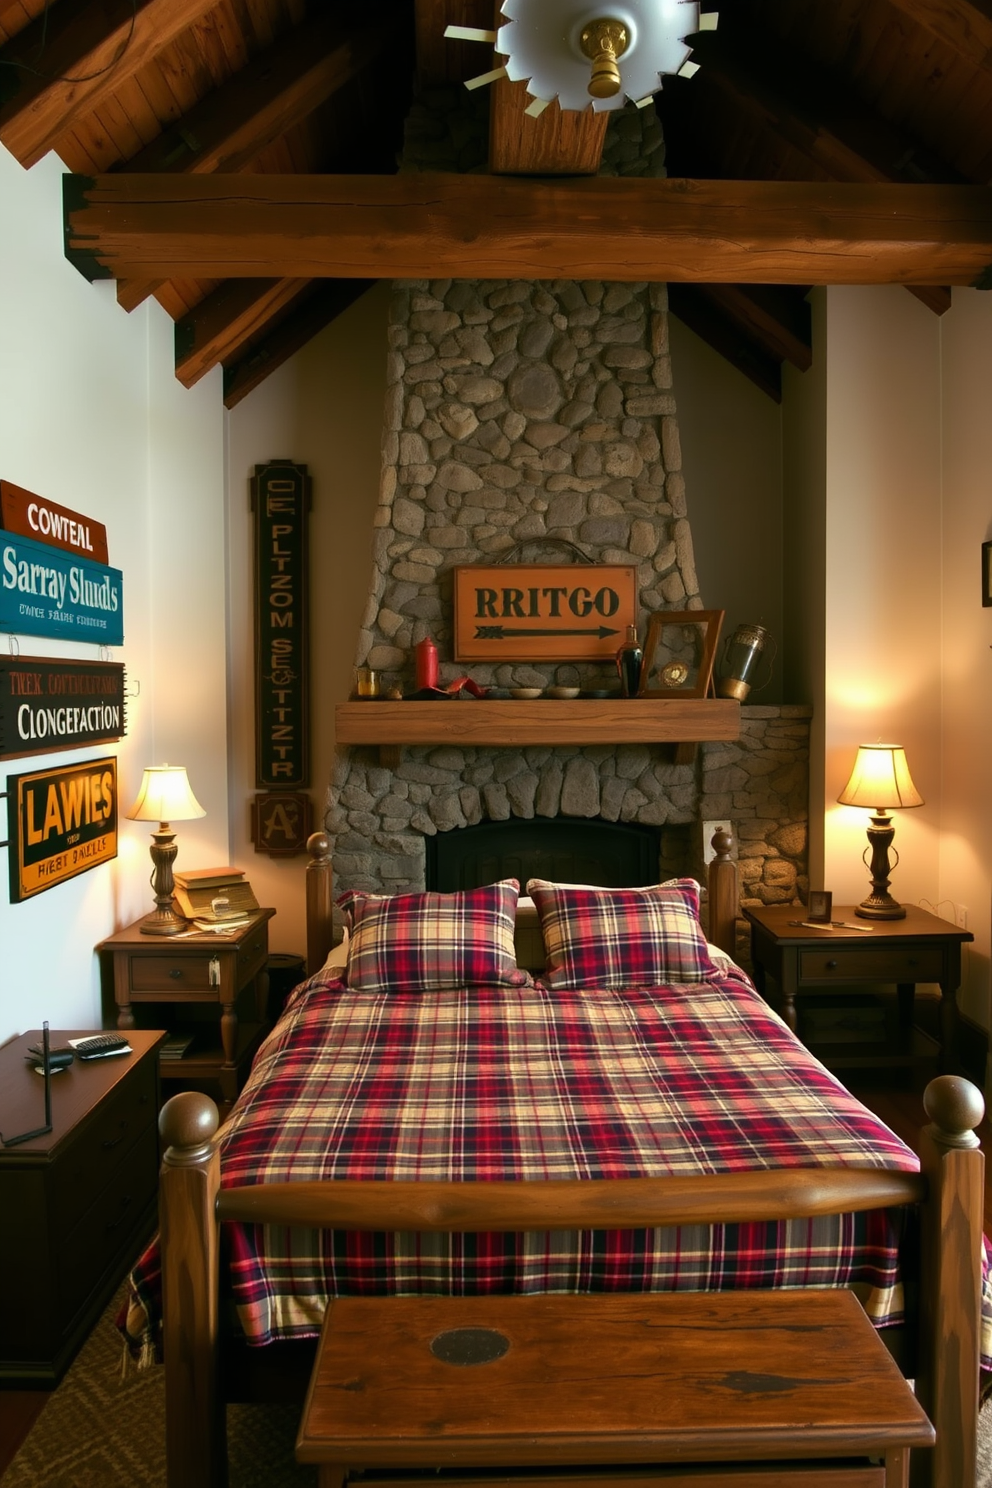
61, 822
542, 612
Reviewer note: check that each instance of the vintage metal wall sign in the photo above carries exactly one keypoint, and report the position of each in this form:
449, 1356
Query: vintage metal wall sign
46, 591
61, 823
281, 823
543, 612
45, 521
47, 705
280, 494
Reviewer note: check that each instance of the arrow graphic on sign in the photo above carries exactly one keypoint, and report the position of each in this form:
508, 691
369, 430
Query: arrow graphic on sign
501, 632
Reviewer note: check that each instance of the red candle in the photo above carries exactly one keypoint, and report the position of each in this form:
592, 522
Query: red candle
426, 654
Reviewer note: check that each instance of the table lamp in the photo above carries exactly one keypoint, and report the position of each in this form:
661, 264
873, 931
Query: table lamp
165, 796
880, 781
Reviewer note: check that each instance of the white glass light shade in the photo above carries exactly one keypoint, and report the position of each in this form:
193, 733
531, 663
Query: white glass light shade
165, 796
880, 779
542, 44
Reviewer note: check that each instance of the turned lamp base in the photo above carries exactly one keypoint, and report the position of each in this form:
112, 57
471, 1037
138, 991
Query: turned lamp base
163, 919
880, 904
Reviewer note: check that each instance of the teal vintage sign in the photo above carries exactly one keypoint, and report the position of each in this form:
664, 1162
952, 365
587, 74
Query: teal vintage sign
45, 591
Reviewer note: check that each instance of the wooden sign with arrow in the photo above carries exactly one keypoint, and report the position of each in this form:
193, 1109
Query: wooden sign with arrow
543, 612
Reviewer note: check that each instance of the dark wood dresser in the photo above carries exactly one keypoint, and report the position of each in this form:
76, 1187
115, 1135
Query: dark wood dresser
77, 1204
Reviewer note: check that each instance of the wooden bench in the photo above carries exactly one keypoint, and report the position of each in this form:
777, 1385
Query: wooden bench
791, 1387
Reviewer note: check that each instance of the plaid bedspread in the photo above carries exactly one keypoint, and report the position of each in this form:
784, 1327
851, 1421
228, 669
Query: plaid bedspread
522, 1083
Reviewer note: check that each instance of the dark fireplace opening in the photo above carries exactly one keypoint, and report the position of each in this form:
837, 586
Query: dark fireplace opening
565, 849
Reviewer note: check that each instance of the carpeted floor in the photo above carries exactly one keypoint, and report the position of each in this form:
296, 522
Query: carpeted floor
100, 1430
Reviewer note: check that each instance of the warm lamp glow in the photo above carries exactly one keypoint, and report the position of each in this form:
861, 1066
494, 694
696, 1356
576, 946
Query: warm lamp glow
880, 781
165, 796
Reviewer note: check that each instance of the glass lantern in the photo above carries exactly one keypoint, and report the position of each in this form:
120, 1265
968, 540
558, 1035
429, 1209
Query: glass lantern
742, 653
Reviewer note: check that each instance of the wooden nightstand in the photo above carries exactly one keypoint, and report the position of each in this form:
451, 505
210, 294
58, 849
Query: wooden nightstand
77, 1204
198, 969
920, 948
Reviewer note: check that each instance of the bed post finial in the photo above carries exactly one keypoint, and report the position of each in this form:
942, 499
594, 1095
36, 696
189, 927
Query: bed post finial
723, 893
195, 1438
320, 886
947, 1377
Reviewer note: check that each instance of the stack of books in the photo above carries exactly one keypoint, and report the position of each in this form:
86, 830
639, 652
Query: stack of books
175, 1047
214, 896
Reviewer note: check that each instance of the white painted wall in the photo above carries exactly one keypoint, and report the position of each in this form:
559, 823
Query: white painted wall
731, 436
322, 409
966, 660
92, 418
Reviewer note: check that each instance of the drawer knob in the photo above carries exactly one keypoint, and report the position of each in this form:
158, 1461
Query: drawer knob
175, 973
831, 965
115, 1141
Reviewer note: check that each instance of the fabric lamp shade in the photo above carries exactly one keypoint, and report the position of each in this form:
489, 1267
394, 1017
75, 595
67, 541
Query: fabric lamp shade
880, 780
165, 795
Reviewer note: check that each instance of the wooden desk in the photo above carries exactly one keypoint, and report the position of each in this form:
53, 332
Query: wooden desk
77, 1204
920, 948
197, 969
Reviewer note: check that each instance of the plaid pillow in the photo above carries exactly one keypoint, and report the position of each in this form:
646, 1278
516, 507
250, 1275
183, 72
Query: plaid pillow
607, 939
433, 942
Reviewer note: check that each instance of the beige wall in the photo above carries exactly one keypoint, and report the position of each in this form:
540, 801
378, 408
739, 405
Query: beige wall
322, 409
731, 436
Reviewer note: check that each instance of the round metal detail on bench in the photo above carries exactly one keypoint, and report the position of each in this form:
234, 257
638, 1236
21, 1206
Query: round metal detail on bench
469, 1346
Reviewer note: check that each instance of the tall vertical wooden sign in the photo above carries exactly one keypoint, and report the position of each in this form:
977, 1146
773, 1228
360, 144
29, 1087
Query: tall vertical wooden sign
280, 496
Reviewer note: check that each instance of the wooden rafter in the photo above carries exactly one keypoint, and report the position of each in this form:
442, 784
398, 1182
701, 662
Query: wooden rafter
77, 57
777, 319
965, 25
692, 304
429, 225
227, 320
229, 128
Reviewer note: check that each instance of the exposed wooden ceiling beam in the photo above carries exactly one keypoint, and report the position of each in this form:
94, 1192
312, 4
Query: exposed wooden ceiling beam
229, 128
227, 320
558, 142
692, 305
76, 56
430, 225
965, 25
326, 303
776, 318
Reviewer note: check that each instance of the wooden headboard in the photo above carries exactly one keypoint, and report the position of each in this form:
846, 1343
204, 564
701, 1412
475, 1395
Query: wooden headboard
721, 880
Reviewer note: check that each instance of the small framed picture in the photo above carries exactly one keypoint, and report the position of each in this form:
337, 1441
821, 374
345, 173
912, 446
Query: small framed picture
819, 906
987, 573
679, 652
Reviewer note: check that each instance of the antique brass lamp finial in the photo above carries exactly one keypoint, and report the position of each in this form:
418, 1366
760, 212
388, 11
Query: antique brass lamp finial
603, 41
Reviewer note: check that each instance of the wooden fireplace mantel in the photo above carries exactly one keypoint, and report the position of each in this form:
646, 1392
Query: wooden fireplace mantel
501, 723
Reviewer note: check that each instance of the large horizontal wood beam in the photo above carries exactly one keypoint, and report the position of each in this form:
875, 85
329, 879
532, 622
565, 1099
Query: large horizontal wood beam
75, 56
430, 226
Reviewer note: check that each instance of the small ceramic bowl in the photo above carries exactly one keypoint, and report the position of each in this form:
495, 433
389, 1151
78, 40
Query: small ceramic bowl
525, 692
562, 692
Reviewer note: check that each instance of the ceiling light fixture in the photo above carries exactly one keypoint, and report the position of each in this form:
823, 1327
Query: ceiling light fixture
595, 56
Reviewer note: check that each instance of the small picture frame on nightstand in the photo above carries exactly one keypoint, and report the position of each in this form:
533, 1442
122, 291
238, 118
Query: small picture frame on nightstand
819, 906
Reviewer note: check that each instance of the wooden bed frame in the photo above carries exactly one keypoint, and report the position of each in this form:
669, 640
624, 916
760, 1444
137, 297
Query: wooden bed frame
949, 1189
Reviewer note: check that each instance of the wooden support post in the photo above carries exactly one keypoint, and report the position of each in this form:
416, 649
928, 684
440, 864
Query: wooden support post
950, 1302
320, 886
195, 1436
723, 894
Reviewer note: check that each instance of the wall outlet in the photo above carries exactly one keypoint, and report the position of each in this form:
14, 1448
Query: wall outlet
961, 916
709, 827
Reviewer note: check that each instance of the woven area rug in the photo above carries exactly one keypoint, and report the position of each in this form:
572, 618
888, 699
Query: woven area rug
100, 1430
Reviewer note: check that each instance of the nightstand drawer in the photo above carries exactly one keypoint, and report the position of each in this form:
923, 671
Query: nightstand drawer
169, 973
107, 1141
253, 955
898, 964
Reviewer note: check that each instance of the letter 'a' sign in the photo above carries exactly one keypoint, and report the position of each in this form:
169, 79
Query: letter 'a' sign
280, 497
61, 822
542, 612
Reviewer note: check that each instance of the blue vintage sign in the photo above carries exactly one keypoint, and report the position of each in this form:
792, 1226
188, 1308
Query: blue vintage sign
47, 592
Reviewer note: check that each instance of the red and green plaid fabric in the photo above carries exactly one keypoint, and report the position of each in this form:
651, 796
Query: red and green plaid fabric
431, 942
614, 938
525, 1083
